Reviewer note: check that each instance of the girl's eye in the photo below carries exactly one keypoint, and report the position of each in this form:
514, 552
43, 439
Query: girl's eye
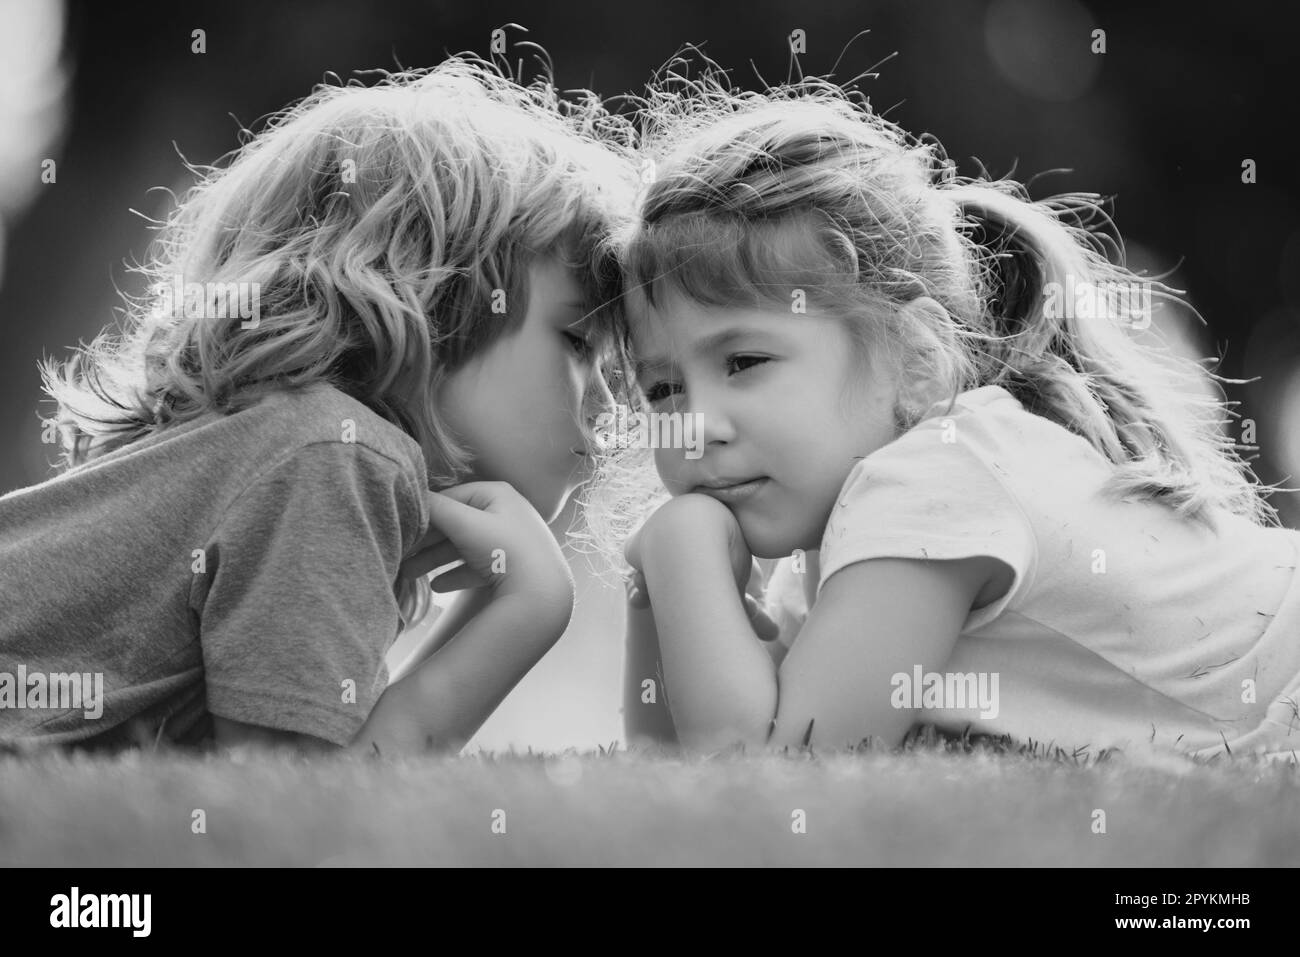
660, 391
580, 345
735, 364
741, 363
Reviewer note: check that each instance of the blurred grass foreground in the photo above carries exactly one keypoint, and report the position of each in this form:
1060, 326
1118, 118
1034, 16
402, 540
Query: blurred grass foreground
930, 805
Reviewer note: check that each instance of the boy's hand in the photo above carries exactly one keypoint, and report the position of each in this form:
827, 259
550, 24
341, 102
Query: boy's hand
501, 539
680, 522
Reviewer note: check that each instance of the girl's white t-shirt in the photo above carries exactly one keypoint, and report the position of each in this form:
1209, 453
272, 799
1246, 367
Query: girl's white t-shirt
1125, 624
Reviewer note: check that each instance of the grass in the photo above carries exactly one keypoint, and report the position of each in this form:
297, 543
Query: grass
936, 801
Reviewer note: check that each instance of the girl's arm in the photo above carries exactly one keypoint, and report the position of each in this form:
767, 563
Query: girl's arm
647, 714
646, 718
872, 620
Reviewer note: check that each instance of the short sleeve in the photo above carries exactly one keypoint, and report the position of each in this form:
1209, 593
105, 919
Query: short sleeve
300, 606
931, 494
784, 600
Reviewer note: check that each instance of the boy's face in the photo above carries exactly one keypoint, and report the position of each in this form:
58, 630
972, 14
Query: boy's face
786, 407
519, 404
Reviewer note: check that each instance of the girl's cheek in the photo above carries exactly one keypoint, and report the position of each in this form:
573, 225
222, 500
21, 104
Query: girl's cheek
668, 463
663, 467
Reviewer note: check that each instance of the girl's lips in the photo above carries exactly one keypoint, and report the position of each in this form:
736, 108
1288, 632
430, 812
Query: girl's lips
730, 494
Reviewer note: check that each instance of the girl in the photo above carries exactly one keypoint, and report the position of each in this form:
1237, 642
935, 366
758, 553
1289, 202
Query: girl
392, 289
924, 393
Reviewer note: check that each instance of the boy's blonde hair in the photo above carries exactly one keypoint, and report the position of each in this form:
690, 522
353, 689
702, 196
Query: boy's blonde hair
377, 222
380, 224
802, 186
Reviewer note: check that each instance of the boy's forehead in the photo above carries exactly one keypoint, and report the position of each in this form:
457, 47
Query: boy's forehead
651, 325
669, 304
551, 277
554, 266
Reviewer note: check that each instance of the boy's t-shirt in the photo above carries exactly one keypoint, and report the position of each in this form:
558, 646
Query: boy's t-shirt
237, 565
1124, 625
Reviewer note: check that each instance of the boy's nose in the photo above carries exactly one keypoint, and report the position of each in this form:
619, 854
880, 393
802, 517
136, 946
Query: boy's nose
597, 400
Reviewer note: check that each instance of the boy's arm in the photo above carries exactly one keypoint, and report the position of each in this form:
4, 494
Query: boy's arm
448, 696
445, 699
234, 734
458, 613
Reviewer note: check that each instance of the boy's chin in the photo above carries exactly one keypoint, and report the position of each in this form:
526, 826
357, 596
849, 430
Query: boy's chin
548, 498
550, 503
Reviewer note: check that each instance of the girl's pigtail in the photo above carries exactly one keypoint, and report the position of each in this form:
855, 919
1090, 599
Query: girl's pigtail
1057, 338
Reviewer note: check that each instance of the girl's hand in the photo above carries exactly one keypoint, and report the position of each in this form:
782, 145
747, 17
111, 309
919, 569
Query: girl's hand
501, 540
680, 521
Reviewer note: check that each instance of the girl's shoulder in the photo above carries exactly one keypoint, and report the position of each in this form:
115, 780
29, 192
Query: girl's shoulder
989, 430
990, 414
979, 476
981, 461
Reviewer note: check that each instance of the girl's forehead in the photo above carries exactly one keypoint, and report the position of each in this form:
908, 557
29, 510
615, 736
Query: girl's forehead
678, 313
668, 318
677, 325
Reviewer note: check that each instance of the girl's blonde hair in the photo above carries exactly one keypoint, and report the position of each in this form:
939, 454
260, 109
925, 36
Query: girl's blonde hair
803, 187
376, 222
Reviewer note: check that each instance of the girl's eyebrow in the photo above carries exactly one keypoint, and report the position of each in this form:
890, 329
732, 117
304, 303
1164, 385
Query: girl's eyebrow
710, 343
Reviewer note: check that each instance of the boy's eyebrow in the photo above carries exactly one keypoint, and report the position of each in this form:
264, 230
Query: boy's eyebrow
710, 343
585, 308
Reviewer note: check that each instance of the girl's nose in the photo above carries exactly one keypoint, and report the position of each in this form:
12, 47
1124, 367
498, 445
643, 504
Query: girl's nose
716, 424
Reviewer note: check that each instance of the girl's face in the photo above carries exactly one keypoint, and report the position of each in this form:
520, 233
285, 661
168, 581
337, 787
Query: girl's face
785, 406
519, 404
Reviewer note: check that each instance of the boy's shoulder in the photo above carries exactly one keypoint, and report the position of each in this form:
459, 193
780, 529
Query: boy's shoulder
321, 412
